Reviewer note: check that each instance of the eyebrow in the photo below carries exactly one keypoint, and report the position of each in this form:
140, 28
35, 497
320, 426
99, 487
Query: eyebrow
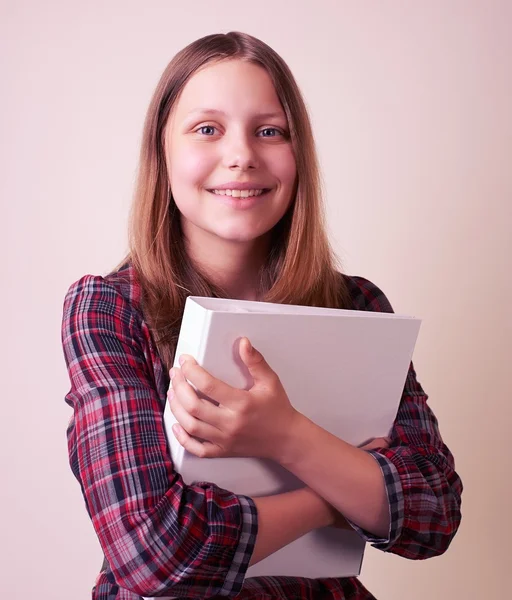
213, 111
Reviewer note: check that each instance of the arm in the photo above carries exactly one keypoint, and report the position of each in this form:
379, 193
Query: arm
284, 518
408, 495
157, 533
405, 498
345, 476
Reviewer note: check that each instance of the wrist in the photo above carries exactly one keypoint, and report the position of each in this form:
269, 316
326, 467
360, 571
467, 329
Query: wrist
293, 440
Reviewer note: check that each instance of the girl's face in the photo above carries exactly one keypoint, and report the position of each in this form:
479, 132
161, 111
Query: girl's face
228, 131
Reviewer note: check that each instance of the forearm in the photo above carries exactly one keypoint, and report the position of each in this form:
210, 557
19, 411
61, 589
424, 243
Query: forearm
286, 517
346, 477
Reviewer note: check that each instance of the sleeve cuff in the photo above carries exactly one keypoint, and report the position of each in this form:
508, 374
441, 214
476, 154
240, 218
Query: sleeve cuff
236, 574
395, 501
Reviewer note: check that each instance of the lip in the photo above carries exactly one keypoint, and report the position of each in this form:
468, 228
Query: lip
239, 185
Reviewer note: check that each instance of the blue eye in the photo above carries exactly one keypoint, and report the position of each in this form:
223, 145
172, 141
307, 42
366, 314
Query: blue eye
211, 127
273, 129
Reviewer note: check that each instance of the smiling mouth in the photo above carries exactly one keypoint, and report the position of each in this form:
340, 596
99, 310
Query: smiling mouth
240, 193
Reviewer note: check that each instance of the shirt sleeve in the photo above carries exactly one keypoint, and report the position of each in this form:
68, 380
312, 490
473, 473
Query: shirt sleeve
158, 534
423, 489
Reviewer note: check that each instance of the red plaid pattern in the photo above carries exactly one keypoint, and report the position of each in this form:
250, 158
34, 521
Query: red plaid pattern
161, 537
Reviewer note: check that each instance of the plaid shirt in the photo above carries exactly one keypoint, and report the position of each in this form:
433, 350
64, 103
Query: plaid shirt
162, 537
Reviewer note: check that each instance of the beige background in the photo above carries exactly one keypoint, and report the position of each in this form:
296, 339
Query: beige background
411, 105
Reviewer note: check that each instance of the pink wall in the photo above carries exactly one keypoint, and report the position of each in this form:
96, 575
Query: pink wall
411, 108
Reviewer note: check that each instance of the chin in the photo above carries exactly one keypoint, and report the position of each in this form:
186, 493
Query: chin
244, 232
239, 237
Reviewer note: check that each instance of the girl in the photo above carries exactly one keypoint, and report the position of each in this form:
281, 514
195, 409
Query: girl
228, 204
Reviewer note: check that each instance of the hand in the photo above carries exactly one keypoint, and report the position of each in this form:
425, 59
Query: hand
252, 423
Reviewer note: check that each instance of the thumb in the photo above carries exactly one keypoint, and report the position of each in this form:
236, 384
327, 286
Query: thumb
254, 361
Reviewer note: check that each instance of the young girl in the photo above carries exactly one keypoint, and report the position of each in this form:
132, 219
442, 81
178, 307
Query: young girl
228, 204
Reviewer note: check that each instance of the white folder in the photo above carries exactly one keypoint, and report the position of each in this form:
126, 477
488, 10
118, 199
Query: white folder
343, 369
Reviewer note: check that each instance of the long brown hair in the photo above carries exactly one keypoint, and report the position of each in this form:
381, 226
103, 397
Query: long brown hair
301, 267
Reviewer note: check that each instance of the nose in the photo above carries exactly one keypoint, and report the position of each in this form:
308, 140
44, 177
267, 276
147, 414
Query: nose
240, 152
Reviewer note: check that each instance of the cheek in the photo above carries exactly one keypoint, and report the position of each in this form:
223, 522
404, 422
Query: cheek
285, 167
190, 167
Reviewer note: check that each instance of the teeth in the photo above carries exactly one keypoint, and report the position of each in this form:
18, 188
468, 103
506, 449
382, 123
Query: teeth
238, 193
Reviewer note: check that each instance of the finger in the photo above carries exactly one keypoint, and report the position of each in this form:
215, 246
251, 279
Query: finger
200, 449
180, 385
196, 406
192, 425
258, 367
206, 384
382, 442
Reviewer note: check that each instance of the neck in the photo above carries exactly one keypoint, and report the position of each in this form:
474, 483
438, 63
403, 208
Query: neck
234, 266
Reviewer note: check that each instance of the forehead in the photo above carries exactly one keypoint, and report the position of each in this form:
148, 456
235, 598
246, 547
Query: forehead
234, 87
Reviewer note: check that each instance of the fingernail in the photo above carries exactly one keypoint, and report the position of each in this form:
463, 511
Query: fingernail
186, 357
249, 345
172, 373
